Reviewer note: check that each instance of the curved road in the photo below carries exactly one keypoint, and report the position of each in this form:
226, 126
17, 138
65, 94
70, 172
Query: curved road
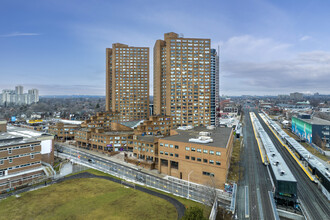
178, 205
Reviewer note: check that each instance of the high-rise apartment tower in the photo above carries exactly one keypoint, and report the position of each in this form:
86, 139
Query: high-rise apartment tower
182, 79
127, 81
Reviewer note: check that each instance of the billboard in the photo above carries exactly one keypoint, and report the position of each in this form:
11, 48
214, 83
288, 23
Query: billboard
302, 129
34, 121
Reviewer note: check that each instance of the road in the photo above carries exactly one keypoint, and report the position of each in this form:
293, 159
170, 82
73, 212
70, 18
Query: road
197, 193
255, 178
317, 206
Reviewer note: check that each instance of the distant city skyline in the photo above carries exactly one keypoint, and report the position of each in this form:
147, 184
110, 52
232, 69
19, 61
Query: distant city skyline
266, 47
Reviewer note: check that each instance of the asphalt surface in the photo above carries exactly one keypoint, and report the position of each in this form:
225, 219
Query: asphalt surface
197, 193
317, 206
178, 205
255, 177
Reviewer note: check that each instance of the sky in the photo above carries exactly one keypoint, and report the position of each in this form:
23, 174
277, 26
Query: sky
266, 47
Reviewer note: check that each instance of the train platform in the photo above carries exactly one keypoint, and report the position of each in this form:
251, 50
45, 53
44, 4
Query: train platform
261, 147
303, 166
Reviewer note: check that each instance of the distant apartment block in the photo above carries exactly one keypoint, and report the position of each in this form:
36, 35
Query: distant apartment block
183, 78
296, 96
127, 81
17, 97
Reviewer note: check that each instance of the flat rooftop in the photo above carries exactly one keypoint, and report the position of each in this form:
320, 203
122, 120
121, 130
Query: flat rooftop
219, 135
8, 139
115, 132
146, 138
316, 121
25, 132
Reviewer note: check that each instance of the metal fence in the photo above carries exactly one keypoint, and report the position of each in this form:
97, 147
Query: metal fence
192, 191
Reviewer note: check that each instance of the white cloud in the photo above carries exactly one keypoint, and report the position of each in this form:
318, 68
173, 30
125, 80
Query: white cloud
308, 70
250, 48
17, 34
306, 37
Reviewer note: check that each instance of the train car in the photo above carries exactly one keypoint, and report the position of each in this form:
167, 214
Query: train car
321, 173
323, 177
311, 167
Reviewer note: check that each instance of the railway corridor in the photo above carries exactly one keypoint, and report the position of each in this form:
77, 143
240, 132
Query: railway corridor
255, 179
317, 206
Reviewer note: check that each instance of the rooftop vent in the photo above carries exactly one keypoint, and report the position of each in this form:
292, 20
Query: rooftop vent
189, 127
282, 172
204, 133
202, 140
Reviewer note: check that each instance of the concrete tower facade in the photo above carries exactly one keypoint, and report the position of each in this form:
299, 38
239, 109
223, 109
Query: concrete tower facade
182, 79
127, 81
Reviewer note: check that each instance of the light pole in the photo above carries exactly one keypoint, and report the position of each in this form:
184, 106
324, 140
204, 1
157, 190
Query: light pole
9, 184
188, 182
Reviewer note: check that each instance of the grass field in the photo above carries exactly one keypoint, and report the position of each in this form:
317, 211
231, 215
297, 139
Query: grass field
86, 199
186, 202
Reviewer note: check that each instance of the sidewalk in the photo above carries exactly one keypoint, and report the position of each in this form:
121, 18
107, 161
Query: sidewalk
116, 160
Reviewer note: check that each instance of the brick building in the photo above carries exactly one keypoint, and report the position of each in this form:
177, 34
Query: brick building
202, 152
101, 120
127, 81
156, 125
63, 132
183, 80
145, 151
107, 141
22, 153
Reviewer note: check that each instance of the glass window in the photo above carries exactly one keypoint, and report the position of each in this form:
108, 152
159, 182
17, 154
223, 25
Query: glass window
211, 161
193, 158
211, 152
176, 155
161, 152
205, 160
171, 145
205, 151
187, 157
193, 149
218, 163
187, 148
199, 150
218, 153
176, 147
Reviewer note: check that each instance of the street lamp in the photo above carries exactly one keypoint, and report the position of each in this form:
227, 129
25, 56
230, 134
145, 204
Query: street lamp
9, 184
188, 182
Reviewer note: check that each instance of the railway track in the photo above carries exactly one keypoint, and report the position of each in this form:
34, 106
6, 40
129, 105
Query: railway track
318, 207
258, 178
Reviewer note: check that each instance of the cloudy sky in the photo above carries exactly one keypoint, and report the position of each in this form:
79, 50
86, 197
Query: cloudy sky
266, 47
